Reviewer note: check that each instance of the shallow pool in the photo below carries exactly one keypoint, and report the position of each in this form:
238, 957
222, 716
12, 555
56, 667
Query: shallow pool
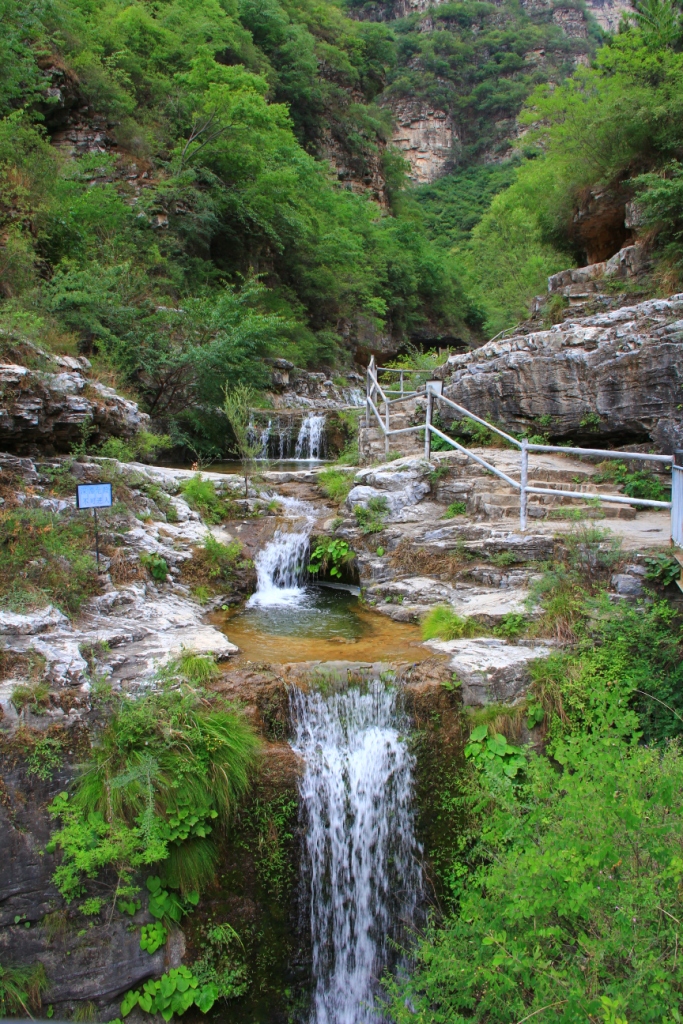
320, 625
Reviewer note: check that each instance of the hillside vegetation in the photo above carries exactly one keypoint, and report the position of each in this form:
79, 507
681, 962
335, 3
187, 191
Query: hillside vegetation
168, 205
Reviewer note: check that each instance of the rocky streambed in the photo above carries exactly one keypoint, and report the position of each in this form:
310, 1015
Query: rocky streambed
178, 565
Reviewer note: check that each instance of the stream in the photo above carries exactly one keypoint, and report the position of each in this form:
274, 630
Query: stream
360, 863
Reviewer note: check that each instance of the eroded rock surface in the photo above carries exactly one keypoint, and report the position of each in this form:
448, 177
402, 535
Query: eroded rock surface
491, 671
615, 375
48, 407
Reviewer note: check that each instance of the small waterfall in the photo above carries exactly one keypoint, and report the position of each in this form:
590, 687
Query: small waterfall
284, 430
310, 443
360, 848
281, 564
356, 397
259, 437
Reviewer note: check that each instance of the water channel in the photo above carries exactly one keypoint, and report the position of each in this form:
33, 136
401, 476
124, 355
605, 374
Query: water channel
360, 874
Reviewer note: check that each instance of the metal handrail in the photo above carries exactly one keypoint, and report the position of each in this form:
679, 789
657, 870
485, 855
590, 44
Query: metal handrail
477, 419
524, 446
477, 458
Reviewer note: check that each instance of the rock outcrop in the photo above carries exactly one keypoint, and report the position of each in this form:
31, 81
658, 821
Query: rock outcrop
428, 138
47, 408
615, 376
491, 671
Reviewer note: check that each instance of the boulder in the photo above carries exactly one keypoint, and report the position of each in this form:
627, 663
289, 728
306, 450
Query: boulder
491, 671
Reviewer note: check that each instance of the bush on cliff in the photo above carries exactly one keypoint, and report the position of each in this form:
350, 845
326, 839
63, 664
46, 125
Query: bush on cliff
161, 784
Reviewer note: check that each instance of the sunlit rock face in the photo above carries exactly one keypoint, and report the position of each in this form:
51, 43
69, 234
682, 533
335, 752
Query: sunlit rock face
428, 138
615, 376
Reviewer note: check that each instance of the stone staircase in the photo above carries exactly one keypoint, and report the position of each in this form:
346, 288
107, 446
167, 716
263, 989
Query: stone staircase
487, 496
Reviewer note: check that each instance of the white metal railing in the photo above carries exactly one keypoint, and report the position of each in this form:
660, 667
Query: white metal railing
376, 396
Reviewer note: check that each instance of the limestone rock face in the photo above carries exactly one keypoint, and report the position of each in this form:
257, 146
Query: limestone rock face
48, 409
490, 671
427, 137
613, 376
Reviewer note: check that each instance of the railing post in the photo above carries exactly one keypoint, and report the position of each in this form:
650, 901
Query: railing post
367, 399
401, 383
523, 481
428, 423
386, 435
677, 499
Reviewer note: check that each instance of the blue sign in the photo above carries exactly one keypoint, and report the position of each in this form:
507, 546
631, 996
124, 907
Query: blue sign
93, 496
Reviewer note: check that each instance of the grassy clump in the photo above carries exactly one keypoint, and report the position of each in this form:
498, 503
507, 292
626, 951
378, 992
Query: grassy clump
201, 495
443, 623
372, 517
335, 484
21, 989
213, 567
46, 559
164, 779
456, 508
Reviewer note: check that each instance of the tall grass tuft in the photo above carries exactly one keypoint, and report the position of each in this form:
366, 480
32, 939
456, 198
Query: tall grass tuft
442, 623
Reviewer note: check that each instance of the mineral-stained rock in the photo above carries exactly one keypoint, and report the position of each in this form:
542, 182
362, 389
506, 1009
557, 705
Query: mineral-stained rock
490, 671
614, 376
50, 408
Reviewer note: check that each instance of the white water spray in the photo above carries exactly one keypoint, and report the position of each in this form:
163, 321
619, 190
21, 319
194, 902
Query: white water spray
360, 849
281, 564
310, 443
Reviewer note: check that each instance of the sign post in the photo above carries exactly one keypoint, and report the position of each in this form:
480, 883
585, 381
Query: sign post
94, 496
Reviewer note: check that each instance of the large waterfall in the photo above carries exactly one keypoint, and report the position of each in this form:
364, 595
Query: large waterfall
361, 857
281, 564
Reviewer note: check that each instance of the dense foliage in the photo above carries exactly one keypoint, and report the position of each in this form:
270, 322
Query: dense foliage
162, 781
615, 125
565, 878
236, 243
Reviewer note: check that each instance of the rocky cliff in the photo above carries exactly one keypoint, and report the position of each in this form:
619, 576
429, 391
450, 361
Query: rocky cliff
47, 400
615, 376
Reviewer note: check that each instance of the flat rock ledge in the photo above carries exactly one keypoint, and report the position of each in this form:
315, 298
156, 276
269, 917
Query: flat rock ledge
491, 671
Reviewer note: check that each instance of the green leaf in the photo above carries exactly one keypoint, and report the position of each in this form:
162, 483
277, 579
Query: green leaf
130, 1000
479, 733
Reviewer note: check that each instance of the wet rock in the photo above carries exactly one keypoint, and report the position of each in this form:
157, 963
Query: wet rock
491, 671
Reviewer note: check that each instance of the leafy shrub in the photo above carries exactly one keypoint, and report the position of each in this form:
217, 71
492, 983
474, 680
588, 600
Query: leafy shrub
443, 623
662, 568
169, 769
580, 869
144, 446
372, 517
335, 484
511, 625
221, 963
636, 484
456, 508
493, 753
330, 553
157, 566
171, 994
45, 758
213, 567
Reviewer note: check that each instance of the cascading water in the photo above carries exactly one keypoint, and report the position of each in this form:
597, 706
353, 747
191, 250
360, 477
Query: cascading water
281, 564
310, 444
361, 856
